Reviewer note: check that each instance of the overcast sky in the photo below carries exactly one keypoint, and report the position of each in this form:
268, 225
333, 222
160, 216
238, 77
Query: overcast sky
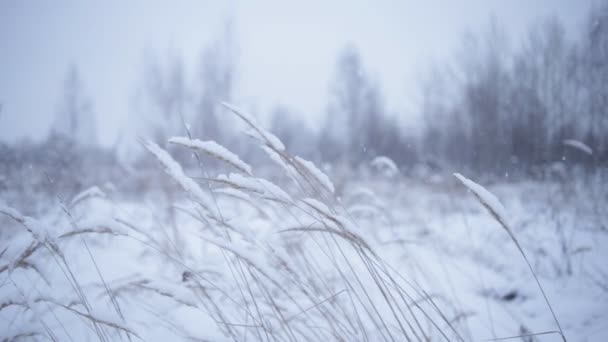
287, 49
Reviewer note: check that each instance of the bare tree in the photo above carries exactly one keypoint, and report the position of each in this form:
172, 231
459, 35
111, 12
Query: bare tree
216, 78
541, 98
594, 60
501, 112
164, 98
75, 119
354, 112
485, 97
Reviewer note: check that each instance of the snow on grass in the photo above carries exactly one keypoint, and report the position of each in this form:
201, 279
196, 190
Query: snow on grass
488, 199
275, 148
318, 206
232, 192
259, 186
386, 165
173, 169
260, 133
578, 145
215, 150
248, 283
317, 174
362, 192
278, 159
91, 192
496, 208
95, 225
38, 230
461, 254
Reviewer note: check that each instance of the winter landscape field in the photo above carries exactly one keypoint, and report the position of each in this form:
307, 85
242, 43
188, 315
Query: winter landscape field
208, 217
381, 256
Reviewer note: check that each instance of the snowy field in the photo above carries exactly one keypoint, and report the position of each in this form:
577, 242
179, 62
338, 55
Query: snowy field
293, 255
226, 171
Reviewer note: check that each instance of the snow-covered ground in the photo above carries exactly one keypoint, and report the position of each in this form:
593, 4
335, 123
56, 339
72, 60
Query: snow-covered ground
435, 264
286, 253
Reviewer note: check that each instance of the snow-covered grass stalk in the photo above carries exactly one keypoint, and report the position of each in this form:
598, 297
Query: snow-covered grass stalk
43, 239
497, 210
579, 146
286, 264
314, 278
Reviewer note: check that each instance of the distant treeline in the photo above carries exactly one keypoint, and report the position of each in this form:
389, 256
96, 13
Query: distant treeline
498, 107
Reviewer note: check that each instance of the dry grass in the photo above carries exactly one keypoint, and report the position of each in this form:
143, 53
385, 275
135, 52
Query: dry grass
494, 208
314, 278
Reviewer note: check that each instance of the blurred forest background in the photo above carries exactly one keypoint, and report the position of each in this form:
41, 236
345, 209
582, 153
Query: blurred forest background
502, 108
